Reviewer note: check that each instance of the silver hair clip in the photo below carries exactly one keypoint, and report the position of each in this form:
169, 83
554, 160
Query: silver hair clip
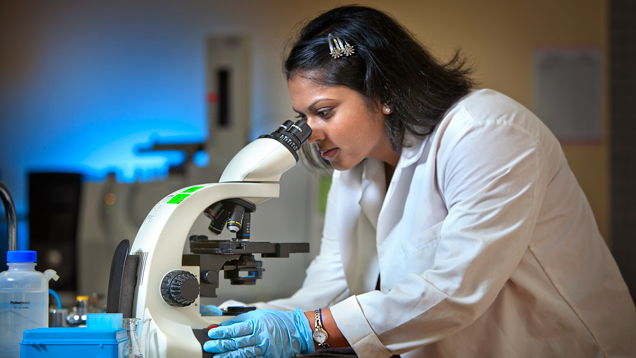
337, 49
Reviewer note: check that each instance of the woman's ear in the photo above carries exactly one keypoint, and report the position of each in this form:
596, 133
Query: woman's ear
385, 108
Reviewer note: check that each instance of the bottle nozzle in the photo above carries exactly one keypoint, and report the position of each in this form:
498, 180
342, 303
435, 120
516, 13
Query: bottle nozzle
51, 274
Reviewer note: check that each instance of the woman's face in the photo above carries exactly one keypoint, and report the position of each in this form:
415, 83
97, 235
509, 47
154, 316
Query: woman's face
346, 128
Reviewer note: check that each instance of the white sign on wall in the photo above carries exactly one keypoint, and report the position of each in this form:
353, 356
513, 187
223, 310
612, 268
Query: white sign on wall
567, 92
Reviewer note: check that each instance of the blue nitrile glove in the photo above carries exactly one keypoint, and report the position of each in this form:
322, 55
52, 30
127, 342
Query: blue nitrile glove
210, 310
262, 333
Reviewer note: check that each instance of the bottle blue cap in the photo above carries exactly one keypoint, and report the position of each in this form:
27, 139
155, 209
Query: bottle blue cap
22, 256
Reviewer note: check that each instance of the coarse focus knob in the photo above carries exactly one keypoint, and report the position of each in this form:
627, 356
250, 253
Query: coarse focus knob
179, 288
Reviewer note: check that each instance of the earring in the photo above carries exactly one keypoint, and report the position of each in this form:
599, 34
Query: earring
387, 110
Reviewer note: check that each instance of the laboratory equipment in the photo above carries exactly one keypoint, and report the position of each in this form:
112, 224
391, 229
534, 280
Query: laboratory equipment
77, 317
12, 225
24, 300
103, 337
134, 329
24, 292
105, 321
168, 283
114, 208
54, 199
57, 317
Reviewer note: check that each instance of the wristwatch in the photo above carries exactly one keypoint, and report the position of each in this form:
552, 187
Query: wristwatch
320, 335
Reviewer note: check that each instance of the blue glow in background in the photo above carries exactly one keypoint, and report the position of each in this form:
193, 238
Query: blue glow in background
83, 82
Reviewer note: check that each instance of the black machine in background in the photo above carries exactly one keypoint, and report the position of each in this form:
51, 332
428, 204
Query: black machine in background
54, 200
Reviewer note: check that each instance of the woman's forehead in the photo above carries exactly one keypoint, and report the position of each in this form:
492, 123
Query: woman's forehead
307, 90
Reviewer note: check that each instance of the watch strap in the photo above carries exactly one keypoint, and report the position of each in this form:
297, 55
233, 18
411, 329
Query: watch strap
319, 327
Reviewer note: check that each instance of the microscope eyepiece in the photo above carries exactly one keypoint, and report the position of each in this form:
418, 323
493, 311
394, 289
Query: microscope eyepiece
291, 135
283, 127
300, 130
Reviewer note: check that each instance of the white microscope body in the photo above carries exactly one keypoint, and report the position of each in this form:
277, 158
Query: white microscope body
253, 176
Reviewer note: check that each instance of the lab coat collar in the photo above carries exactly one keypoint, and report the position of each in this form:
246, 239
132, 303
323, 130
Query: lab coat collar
388, 215
412, 152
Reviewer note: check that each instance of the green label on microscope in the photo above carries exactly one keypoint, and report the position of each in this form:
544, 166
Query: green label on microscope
192, 190
178, 198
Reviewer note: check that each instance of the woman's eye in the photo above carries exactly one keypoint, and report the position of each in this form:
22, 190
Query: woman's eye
300, 116
323, 113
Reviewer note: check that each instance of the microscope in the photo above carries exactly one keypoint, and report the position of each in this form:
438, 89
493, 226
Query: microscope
154, 280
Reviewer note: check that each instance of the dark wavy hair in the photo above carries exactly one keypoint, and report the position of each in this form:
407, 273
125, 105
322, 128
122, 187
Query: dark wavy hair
389, 65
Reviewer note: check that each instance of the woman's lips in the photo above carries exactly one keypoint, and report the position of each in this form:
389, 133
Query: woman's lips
329, 153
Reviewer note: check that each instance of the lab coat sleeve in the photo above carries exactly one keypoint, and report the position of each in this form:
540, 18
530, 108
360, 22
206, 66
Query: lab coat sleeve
324, 283
490, 177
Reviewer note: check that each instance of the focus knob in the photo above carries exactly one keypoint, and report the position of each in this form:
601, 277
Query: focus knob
179, 288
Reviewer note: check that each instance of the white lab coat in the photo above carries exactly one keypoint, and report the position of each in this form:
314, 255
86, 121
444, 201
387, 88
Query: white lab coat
485, 245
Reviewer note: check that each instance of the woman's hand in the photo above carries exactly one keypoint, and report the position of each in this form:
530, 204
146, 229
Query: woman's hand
262, 333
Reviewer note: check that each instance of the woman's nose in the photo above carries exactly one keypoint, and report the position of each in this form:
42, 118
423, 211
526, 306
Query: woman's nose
317, 133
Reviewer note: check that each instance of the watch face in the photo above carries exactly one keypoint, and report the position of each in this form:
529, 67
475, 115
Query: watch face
320, 336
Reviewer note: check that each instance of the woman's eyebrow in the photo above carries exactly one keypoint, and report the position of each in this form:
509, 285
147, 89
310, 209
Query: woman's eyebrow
312, 106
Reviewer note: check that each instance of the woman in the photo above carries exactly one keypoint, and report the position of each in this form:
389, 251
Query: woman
454, 225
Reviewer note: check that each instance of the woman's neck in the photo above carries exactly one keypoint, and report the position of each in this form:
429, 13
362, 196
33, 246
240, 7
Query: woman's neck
388, 172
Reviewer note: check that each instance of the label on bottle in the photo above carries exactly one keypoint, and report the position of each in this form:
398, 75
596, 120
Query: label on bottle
20, 311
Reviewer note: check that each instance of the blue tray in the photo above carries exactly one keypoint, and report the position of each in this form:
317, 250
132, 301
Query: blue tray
73, 342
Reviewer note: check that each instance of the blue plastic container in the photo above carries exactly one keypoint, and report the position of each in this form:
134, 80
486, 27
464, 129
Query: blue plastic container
67, 342
105, 321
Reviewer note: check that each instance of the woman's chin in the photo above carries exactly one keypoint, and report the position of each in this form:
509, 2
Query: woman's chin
340, 166
337, 165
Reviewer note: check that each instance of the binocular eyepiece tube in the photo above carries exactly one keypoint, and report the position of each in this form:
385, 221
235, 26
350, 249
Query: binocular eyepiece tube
291, 135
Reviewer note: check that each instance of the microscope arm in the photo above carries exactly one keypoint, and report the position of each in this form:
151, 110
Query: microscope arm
167, 285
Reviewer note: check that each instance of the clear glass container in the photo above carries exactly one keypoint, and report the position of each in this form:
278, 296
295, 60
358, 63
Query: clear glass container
135, 330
